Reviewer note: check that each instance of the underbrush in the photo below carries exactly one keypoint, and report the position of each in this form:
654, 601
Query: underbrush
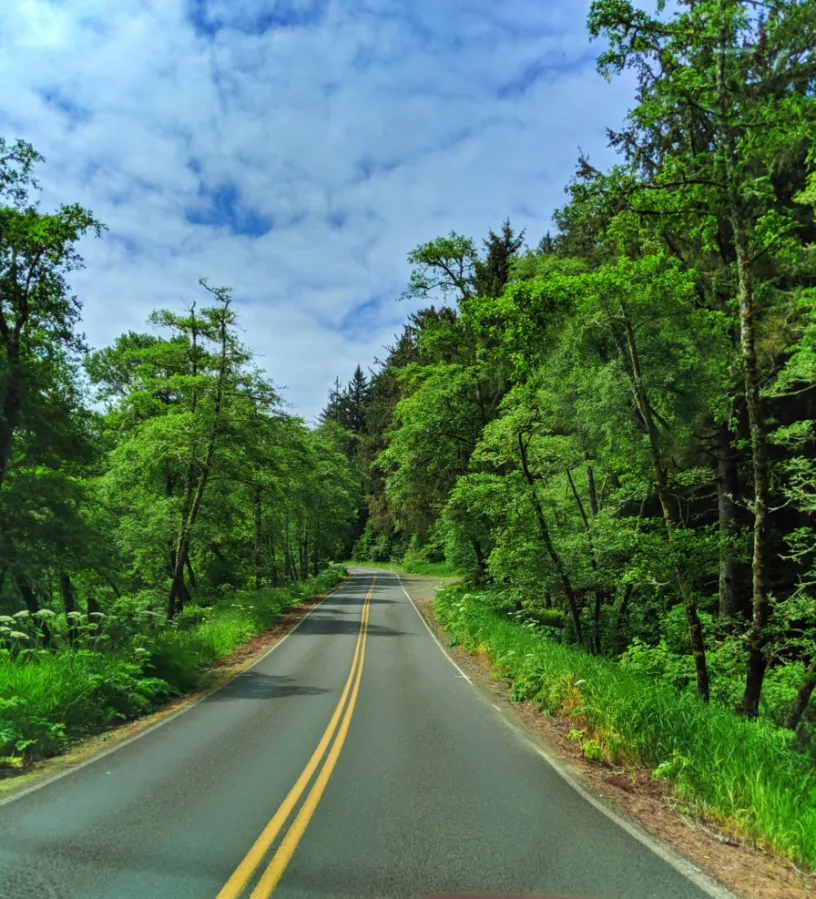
428, 569
123, 664
750, 774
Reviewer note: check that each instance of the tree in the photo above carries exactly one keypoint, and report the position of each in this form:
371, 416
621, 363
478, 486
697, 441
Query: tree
37, 314
493, 272
739, 77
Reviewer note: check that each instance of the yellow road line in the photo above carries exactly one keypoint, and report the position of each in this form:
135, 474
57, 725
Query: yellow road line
243, 873
286, 850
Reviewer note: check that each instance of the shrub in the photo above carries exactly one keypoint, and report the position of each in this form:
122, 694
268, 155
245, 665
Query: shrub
124, 664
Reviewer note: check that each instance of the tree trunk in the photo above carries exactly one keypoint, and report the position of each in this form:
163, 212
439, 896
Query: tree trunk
596, 620
176, 598
624, 608
190, 572
258, 538
316, 552
69, 603
661, 486
27, 592
10, 411
32, 603
600, 595
544, 533
303, 550
481, 564
802, 698
593, 493
216, 551
182, 595
288, 561
111, 583
273, 564
757, 636
727, 489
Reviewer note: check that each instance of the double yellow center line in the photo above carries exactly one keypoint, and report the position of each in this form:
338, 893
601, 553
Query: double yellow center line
237, 884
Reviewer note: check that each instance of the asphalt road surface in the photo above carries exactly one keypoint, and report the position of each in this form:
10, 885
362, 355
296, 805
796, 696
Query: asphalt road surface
354, 760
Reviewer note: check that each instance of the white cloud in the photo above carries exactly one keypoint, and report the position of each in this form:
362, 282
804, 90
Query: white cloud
354, 130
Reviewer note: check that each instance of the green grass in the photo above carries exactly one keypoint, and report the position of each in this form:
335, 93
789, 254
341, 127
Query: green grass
749, 773
429, 569
48, 699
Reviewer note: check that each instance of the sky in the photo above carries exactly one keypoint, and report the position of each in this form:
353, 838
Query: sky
297, 150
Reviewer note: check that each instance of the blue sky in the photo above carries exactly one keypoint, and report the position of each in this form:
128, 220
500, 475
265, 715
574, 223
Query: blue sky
297, 150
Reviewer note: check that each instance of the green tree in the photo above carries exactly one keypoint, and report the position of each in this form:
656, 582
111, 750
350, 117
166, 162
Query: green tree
738, 78
37, 314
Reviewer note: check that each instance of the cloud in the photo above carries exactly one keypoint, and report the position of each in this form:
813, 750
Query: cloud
297, 150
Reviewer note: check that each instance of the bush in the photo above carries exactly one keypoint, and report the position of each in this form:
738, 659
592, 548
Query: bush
48, 698
748, 771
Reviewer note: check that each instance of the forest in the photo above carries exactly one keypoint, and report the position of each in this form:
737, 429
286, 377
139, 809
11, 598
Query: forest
612, 432
158, 505
609, 435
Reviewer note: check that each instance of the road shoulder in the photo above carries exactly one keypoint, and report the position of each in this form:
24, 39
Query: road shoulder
632, 793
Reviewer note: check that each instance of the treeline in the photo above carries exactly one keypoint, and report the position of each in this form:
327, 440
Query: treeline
615, 430
156, 472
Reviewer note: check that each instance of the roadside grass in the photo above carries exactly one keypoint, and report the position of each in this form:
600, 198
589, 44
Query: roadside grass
50, 698
428, 569
749, 775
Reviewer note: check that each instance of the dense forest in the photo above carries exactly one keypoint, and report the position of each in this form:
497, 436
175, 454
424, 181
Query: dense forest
610, 434
143, 487
614, 430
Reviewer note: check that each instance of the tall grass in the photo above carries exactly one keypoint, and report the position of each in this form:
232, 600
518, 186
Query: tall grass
49, 698
750, 773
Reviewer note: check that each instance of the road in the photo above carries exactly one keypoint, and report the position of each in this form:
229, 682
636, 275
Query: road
354, 760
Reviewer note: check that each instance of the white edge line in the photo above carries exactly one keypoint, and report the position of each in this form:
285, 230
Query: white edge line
106, 752
681, 864
435, 638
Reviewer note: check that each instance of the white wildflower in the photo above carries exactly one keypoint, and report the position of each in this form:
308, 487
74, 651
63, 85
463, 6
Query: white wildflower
23, 613
18, 635
44, 613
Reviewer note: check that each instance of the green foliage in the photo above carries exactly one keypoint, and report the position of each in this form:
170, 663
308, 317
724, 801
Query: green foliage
427, 569
747, 771
118, 670
584, 425
192, 486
